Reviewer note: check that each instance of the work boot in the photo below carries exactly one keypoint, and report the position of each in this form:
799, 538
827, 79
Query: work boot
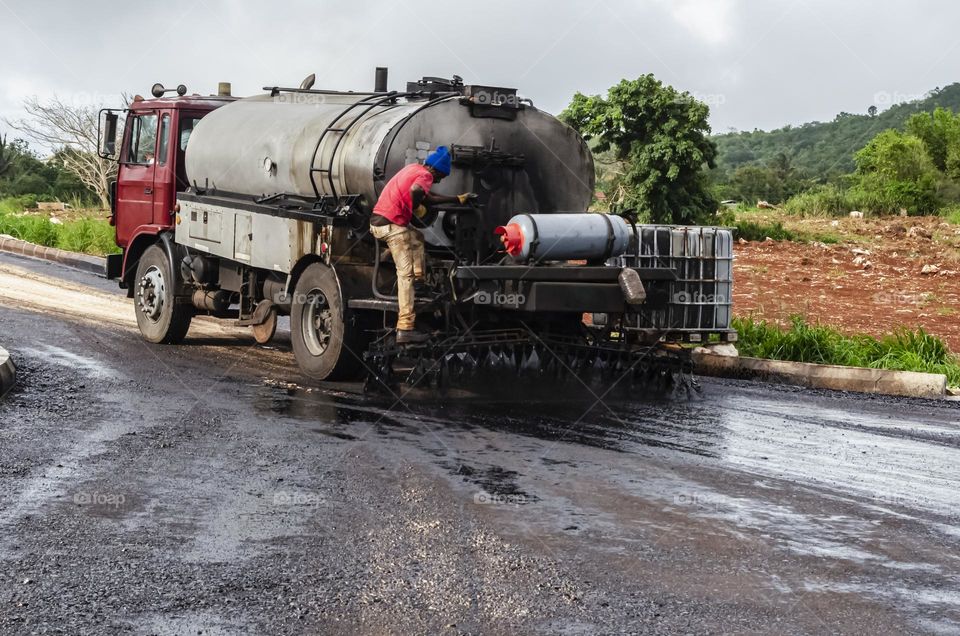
411, 336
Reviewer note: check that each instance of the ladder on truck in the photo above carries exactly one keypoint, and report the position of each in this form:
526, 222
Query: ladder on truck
335, 127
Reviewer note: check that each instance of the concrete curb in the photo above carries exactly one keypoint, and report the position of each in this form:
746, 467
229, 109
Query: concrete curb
8, 372
822, 376
94, 264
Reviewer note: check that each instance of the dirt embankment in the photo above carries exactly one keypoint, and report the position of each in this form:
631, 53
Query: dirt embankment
882, 274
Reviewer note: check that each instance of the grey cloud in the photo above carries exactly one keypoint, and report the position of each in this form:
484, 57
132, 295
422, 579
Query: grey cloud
758, 63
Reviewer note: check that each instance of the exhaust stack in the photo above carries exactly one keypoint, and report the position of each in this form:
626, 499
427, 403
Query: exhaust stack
380, 83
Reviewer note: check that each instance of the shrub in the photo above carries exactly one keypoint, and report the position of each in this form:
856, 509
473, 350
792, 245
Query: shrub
825, 200
753, 231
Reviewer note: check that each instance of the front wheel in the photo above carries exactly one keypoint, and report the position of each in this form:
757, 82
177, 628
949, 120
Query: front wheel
160, 317
328, 341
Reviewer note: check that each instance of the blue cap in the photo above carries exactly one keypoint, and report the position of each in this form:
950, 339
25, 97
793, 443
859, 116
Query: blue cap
439, 160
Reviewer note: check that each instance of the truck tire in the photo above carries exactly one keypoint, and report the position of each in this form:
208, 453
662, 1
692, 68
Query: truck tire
328, 342
161, 319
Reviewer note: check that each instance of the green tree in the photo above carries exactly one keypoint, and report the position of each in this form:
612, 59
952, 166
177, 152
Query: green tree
659, 136
823, 151
896, 156
940, 133
895, 171
6, 160
26, 173
753, 183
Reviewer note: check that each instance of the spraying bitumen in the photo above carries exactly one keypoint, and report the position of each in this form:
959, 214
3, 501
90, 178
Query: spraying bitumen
208, 488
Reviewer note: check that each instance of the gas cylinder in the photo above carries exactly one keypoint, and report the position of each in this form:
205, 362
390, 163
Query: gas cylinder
565, 236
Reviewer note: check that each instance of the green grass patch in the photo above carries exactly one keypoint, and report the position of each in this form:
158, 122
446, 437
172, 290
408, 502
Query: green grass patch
90, 236
951, 214
754, 231
12, 205
903, 350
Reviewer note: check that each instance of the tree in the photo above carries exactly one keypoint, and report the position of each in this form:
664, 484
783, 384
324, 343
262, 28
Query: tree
658, 136
753, 183
894, 171
72, 129
939, 131
895, 155
6, 161
872, 111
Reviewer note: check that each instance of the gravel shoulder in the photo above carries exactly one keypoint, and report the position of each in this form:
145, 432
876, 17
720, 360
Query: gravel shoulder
871, 282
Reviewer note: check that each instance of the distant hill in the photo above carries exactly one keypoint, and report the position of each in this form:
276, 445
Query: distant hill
822, 150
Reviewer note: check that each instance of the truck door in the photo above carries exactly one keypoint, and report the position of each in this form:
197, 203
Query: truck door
164, 185
135, 180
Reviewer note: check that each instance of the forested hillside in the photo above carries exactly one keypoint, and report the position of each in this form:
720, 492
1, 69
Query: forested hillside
820, 150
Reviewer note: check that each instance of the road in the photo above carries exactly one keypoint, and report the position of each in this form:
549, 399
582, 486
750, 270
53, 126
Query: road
206, 488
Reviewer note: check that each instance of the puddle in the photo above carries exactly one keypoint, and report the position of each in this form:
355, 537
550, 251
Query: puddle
492, 480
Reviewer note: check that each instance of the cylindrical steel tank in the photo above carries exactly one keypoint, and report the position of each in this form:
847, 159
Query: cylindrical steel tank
560, 237
268, 144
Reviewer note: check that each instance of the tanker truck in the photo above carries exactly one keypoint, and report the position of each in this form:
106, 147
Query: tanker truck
249, 209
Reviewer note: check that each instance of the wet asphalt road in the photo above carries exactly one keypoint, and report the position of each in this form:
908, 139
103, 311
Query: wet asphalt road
203, 489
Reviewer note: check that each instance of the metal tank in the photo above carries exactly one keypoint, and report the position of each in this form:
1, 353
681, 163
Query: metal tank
314, 143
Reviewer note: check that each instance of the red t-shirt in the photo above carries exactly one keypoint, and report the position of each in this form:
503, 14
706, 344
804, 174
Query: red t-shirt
395, 202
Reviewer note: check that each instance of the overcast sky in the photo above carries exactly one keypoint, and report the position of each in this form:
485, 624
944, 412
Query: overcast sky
758, 63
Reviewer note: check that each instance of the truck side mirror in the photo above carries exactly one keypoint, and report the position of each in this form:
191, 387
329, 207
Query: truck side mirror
109, 139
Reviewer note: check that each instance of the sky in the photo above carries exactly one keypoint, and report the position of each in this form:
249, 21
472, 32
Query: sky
756, 63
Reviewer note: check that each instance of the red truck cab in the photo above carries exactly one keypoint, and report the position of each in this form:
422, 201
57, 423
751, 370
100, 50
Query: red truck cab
151, 172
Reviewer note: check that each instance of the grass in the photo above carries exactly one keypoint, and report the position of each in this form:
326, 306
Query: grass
754, 231
904, 350
759, 229
951, 214
87, 235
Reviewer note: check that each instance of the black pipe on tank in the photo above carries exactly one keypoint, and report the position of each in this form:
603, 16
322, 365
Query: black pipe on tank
380, 83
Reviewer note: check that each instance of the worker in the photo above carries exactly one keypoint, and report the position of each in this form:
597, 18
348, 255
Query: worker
406, 194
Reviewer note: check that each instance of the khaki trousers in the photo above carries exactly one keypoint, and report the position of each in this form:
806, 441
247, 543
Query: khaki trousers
406, 246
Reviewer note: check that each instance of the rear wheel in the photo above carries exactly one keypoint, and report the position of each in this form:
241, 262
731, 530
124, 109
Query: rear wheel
161, 319
328, 341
